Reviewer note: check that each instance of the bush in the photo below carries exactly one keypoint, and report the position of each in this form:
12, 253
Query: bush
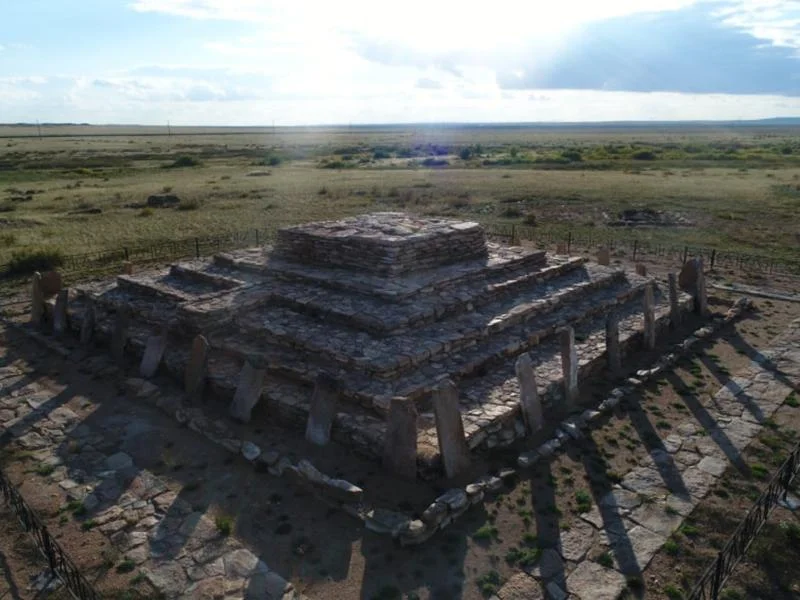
643, 155
274, 161
572, 155
183, 161
381, 154
189, 204
530, 219
465, 154
489, 583
224, 524
434, 162
146, 212
26, 262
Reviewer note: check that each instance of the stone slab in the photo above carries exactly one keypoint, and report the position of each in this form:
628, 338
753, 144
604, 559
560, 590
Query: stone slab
400, 446
153, 353
322, 410
248, 392
450, 429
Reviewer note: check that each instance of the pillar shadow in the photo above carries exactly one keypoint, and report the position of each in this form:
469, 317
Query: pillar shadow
548, 529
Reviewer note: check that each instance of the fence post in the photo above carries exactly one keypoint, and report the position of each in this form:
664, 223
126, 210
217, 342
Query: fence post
713, 258
197, 247
569, 242
685, 254
126, 253
635, 248
257, 242
513, 235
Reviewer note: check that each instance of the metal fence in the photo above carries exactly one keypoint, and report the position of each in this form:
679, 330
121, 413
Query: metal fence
97, 263
713, 580
57, 560
639, 249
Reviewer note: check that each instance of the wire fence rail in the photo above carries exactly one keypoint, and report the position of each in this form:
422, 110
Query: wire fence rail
57, 560
711, 583
77, 266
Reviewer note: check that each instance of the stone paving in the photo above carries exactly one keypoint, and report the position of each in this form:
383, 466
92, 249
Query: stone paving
180, 551
634, 518
433, 300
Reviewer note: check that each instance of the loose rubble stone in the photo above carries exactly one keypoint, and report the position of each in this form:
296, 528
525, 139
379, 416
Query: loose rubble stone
250, 451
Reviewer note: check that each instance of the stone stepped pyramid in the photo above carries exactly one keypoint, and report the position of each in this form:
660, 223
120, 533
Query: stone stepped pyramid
388, 305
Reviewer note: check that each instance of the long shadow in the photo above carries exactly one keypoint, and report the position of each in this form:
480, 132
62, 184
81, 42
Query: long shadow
548, 530
707, 422
664, 462
10, 583
24, 424
614, 526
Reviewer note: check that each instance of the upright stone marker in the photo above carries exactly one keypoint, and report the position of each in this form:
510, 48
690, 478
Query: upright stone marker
700, 298
248, 392
612, 344
60, 313
687, 278
89, 320
561, 248
51, 283
641, 270
569, 365
604, 257
37, 300
127, 268
322, 409
450, 429
675, 316
153, 352
119, 338
528, 394
400, 446
649, 317
195, 376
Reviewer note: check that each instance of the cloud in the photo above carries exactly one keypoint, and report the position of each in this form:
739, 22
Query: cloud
425, 83
683, 51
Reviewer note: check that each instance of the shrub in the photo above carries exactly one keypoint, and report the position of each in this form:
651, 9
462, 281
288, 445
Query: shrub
465, 154
183, 161
584, 501
434, 162
126, 566
25, 262
489, 583
511, 212
323, 191
381, 154
224, 524
673, 592
485, 533
146, 212
572, 155
671, 547
274, 161
643, 155
189, 204
530, 219
606, 560
524, 557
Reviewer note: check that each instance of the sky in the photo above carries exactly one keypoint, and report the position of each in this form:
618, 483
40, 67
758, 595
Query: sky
304, 62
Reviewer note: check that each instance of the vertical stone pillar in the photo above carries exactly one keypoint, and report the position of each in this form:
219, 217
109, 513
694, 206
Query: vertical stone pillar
119, 338
569, 365
60, 312
89, 320
701, 300
248, 392
649, 317
400, 445
37, 300
528, 394
195, 377
153, 353
127, 268
450, 429
322, 410
603, 257
641, 270
561, 248
675, 316
613, 349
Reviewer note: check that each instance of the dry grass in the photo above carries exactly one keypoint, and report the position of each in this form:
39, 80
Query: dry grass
84, 187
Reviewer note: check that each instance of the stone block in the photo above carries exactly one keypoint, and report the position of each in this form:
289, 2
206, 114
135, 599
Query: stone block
528, 393
248, 392
450, 429
400, 446
153, 352
37, 300
60, 313
649, 318
675, 316
195, 376
604, 256
89, 321
119, 337
322, 410
569, 365
613, 350
51, 283
641, 269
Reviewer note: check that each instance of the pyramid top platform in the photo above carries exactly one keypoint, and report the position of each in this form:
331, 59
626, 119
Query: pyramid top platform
387, 244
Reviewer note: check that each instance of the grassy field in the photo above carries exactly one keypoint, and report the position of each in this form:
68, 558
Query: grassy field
79, 189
